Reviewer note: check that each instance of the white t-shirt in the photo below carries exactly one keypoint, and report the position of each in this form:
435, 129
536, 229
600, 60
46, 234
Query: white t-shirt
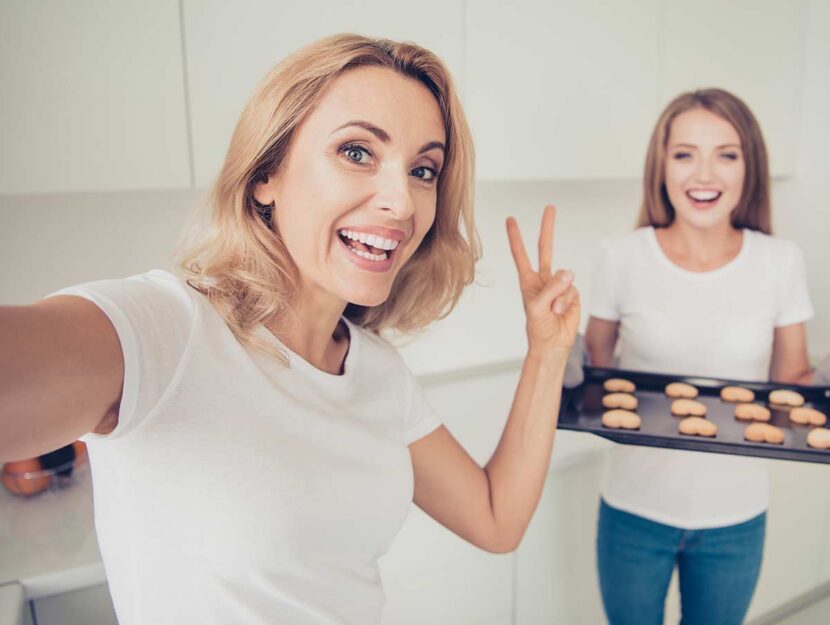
717, 323
235, 490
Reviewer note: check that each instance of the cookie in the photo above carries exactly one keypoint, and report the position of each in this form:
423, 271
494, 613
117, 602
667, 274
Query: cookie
618, 385
688, 408
808, 416
764, 433
620, 400
624, 419
819, 438
785, 398
695, 426
681, 390
737, 394
752, 412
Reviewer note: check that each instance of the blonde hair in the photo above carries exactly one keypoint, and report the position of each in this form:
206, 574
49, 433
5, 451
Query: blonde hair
242, 265
753, 209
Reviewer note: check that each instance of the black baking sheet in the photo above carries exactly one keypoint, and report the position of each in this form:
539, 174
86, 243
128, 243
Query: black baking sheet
581, 410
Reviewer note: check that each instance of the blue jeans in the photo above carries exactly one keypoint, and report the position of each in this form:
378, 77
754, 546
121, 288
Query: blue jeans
717, 568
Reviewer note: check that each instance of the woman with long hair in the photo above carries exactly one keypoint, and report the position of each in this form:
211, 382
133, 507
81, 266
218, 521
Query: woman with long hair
700, 288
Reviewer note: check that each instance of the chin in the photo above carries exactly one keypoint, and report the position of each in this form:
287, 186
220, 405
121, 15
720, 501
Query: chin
368, 299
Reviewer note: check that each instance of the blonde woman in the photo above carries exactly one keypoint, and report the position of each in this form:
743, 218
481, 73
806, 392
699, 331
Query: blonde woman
255, 444
701, 288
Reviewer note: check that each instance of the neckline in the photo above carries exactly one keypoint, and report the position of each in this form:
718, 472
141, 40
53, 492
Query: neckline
300, 364
746, 239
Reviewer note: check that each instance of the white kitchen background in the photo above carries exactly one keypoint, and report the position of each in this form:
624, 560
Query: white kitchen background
115, 116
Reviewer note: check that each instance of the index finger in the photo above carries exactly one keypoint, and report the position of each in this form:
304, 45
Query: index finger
517, 248
546, 240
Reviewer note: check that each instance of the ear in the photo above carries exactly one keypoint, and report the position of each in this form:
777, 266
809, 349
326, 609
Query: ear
264, 190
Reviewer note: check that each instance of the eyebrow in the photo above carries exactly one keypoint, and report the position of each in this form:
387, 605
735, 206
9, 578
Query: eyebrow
384, 137
691, 145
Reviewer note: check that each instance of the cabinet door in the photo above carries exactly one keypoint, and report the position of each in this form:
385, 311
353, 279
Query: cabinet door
232, 45
92, 97
556, 578
561, 89
753, 48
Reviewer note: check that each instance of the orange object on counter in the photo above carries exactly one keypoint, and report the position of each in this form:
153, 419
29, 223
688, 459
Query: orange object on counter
25, 477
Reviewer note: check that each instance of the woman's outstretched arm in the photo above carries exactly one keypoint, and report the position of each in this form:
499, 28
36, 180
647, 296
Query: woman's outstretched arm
61, 373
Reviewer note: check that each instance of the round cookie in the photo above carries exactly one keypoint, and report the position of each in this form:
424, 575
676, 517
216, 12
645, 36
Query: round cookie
752, 412
696, 426
688, 408
624, 419
620, 400
783, 397
619, 385
681, 390
819, 438
808, 416
764, 433
737, 394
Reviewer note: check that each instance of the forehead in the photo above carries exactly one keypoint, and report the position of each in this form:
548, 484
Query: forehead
402, 106
699, 127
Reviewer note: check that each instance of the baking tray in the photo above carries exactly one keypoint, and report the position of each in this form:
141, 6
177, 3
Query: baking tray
581, 410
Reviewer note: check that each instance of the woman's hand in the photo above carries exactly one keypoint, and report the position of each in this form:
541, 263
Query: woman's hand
550, 300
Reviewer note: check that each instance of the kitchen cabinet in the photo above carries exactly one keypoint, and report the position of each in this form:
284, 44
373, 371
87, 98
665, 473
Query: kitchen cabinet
563, 90
753, 48
92, 97
231, 46
559, 89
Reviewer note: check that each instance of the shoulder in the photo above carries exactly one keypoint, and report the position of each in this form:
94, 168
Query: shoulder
627, 242
773, 248
152, 297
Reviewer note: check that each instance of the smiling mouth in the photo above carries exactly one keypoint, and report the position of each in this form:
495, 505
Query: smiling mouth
704, 197
368, 246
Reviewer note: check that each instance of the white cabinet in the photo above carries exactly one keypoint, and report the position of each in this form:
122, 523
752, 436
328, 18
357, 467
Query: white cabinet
564, 90
753, 48
797, 534
92, 97
560, 89
556, 578
232, 45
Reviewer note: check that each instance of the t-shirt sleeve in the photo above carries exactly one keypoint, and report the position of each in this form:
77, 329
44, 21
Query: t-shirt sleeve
604, 303
152, 314
795, 305
420, 418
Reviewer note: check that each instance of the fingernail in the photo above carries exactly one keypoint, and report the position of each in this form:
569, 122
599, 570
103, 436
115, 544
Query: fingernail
567, 275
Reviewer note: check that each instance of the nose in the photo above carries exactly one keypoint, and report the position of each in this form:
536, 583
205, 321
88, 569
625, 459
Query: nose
394, 194
703, 171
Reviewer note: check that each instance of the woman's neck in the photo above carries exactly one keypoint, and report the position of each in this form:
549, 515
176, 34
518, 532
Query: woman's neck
697, 249
313, 331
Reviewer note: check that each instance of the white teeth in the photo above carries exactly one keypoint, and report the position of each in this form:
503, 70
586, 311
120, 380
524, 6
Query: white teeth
703, 196
370, 239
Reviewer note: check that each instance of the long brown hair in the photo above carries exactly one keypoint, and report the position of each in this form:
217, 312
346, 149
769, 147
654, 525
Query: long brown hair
241, 263
753, 209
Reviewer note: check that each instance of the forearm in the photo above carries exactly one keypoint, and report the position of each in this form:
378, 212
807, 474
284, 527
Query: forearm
517, 470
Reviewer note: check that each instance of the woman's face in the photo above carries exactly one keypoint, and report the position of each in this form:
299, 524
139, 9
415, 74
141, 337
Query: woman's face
705, 168
358, 190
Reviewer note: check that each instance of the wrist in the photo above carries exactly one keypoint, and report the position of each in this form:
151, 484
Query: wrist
555, 358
